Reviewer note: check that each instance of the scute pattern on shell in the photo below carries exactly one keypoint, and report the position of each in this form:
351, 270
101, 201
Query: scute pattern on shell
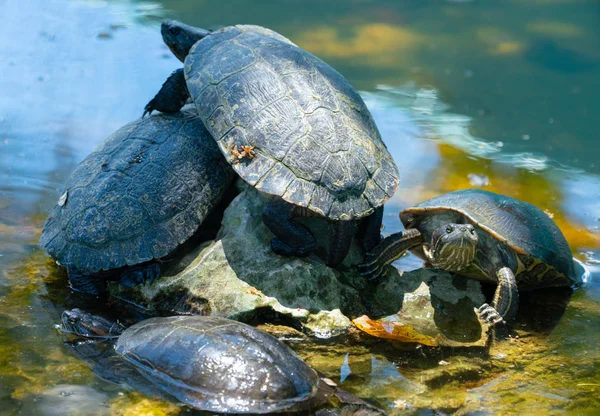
521, 225
145, 190
218, 365
316, 143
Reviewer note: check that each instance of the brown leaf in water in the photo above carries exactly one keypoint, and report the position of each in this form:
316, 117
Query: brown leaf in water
392, 330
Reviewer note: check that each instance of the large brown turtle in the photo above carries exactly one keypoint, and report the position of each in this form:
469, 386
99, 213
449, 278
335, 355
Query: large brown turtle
290, 125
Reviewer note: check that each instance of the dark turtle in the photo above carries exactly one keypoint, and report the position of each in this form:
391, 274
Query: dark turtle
209, 363
290, 125
485, 236
145, 190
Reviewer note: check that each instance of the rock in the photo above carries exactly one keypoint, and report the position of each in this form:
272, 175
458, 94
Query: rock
327, 324
435, 303
238, 276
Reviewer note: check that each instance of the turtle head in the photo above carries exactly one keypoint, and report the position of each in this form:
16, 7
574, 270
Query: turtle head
180, 37
86, 325
452, 247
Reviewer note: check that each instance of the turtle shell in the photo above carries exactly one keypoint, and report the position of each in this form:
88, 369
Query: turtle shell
216, 364
145, 190
528, 230
315, 142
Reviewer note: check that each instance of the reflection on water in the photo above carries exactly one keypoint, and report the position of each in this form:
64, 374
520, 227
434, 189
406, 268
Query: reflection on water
522, 122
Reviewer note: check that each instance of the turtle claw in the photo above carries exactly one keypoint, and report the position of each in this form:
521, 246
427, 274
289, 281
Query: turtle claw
489, 314
149, 108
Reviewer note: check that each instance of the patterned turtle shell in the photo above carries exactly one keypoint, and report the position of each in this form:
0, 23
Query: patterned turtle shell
220, 365
145, 190
310, 138
525, 228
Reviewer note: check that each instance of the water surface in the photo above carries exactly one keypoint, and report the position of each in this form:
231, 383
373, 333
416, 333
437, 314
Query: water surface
502, 96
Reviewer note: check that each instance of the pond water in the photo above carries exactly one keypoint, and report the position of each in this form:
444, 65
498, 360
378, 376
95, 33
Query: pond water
502, 95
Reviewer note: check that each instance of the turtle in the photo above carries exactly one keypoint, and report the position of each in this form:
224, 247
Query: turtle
209, 363
486, 236
291, 126
138, 196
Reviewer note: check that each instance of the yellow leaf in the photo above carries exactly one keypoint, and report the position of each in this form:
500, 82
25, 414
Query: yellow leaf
393, 331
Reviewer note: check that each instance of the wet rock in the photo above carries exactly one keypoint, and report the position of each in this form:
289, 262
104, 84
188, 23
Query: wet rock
239, 276
434, 303
327, 324
283, 332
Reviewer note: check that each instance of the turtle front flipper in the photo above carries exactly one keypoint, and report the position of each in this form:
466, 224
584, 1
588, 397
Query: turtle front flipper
291, 238
172, 96
340, 240
506, 299
388, 251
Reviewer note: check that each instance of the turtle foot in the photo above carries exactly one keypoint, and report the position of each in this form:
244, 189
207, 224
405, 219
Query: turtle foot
172, 95
371, 269
489, 314
134, 276
150, 107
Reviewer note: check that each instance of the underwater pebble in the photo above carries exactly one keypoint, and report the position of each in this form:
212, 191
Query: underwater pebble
401, 404
478, 180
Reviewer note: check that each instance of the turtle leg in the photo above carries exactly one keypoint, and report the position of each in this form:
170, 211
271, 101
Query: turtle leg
340, 240
291, 238
370, 230
388, 251
172, 95
136, 275
506, 299
86, 283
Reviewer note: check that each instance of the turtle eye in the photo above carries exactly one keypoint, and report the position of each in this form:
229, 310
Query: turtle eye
449, 229
174, 30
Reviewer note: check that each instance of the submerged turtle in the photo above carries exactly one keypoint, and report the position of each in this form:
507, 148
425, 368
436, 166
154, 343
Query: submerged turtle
143, 192
290, 125
485, 236
209, 363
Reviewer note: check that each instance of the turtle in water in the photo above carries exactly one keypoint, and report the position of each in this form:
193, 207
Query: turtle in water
144, 191
209, 363
485, 236
291, 126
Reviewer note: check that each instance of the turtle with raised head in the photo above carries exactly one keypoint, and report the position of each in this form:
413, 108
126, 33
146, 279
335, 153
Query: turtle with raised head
290, 125
208, 363
144, 191
486, 236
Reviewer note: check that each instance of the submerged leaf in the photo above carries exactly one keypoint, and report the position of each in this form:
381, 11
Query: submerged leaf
392, 330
